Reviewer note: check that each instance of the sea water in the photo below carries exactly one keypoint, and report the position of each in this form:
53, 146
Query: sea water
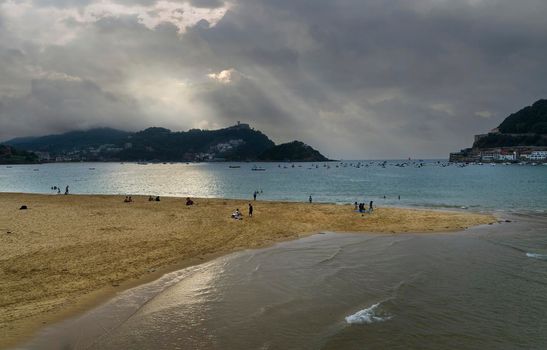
481, 187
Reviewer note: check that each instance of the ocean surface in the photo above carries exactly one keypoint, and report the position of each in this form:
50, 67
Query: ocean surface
518, 188
484, 288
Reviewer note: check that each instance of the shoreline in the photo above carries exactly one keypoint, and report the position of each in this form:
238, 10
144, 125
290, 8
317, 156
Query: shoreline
67, 254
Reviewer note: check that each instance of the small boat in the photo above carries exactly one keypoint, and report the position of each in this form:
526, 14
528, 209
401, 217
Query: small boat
91, 168
234, 166
255, 168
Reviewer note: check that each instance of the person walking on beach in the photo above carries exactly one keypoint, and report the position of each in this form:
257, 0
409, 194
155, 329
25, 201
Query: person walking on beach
370, 207
250, 210
310, 199
66, 189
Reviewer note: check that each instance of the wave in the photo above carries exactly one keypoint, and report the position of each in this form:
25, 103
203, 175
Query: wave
537, 256
369, 315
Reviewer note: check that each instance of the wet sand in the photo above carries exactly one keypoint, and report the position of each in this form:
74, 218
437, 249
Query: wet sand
67, 253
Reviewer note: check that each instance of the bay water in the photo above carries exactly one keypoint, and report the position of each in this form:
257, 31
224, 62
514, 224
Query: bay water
483, 187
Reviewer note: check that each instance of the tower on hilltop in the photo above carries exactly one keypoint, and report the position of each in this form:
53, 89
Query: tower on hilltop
240, 125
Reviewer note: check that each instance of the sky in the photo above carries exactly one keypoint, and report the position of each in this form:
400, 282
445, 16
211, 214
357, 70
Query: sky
356, 79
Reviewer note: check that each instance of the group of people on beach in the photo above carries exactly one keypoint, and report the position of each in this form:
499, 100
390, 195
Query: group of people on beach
362, 208
129, 199
58, 189
237, 215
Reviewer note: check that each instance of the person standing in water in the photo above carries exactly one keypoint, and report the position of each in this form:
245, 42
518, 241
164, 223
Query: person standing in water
254, 195
310, 199
66, 189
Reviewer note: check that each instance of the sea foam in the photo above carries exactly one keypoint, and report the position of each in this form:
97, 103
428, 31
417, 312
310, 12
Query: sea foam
537, 256
367, 316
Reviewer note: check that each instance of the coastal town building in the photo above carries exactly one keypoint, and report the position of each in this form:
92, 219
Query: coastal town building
537, 155
502, 154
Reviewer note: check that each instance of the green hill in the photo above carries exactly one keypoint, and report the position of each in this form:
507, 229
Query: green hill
293, 151
527, 127
236, 143
529, 120
10, 155
74, 140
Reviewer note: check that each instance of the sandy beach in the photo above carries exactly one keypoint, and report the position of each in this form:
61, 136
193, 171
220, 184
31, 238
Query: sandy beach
67, 253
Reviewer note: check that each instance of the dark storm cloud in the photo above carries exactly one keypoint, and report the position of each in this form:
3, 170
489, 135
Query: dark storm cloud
207, 3
244, 99
357, 78
432, 64
61, 105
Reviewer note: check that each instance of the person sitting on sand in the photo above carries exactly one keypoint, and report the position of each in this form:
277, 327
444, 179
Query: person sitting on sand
157, 198
237, 215
189, 201
126, 199
150, 198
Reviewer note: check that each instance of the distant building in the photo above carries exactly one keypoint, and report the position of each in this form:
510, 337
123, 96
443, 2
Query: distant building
507, 156
490, 156
43, 156
467, 155
240, 125
538, 155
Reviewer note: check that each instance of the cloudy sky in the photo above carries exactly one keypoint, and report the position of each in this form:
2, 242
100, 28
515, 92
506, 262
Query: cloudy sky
353, 78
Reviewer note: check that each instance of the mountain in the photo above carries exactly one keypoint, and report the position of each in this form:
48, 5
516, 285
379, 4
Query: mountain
529, 120
70, 141
236, 143
527, 127
10, 155
292, 151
